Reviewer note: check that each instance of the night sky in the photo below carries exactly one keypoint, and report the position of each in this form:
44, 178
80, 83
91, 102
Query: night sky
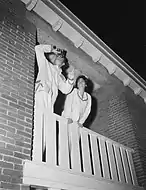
117, 23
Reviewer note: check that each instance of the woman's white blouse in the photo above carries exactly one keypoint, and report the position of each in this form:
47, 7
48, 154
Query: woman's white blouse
75, 108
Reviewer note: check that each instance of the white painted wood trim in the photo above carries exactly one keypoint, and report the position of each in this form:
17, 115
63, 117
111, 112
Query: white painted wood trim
47, 176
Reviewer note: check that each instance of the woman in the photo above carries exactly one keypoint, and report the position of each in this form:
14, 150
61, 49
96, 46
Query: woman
78, 103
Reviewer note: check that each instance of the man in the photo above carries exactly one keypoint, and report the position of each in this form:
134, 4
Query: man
49, 81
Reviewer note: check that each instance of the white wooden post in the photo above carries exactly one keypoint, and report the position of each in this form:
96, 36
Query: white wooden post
63, 144
37, 133
126, 167
74, 146
119, 164
50, 128
132, 169
104, 158
112, 161
95, 156
85, 151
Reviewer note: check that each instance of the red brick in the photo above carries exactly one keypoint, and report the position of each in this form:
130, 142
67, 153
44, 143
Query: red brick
16, 115
16, 106
7, 117
5, 151
7, 128
2, 145
18, 98
18, 167
1, 157
5, 178
22, 144
6, 165
14, 148
29, 120
28, 130
12, 172
10, 186
16, 126
24, 134
6, 139
3, 101
24, 123
15, 136
2, 132
24, 114
22, 156
28, 140
16, 180
27, 151
25, 105
13, 160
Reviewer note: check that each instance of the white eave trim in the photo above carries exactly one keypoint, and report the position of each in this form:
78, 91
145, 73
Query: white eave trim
62, 20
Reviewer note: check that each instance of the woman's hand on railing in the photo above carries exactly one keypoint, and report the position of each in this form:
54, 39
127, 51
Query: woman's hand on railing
80, 125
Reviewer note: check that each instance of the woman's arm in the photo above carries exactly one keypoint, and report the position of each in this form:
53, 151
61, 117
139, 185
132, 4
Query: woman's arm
87, 111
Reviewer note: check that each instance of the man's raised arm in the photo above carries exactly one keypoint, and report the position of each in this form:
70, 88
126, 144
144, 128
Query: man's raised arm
40, 50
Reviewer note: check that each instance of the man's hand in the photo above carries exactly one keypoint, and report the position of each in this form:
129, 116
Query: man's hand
71, 73
69, 121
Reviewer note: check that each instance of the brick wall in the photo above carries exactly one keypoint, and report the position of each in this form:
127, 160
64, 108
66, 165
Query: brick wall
121, 117
17, 40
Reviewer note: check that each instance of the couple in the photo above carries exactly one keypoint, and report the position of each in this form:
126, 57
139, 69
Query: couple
50, 80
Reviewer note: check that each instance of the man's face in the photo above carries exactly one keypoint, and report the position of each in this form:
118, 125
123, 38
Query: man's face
59, 61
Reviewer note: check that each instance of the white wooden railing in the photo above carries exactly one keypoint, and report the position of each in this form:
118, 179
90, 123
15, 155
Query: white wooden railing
82, 151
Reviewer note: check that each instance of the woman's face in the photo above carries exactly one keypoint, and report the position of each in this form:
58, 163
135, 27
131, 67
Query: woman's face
81, 84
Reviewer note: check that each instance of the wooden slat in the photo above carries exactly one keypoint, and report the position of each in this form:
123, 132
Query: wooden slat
104, 160
95, 156
126, 167
112, 162
63, 145
85, 152
37, 140
132, 169
119, 164
50, 128
74, 147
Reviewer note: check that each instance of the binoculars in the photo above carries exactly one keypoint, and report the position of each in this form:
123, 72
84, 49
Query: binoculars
60, 52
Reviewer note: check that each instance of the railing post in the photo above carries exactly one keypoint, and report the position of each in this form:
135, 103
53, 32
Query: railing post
74, 147
95, 156
85, 151
63, 144
126, 166
104, 160
112, 161
50, 129
119, 164
37, 136
132, 169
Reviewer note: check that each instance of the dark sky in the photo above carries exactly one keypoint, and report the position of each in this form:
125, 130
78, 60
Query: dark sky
118, 24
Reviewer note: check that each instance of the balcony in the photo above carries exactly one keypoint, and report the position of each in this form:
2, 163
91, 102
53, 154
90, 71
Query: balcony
72, 158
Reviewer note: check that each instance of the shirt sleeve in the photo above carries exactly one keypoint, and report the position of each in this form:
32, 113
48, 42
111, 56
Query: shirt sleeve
87, 111
65, 86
